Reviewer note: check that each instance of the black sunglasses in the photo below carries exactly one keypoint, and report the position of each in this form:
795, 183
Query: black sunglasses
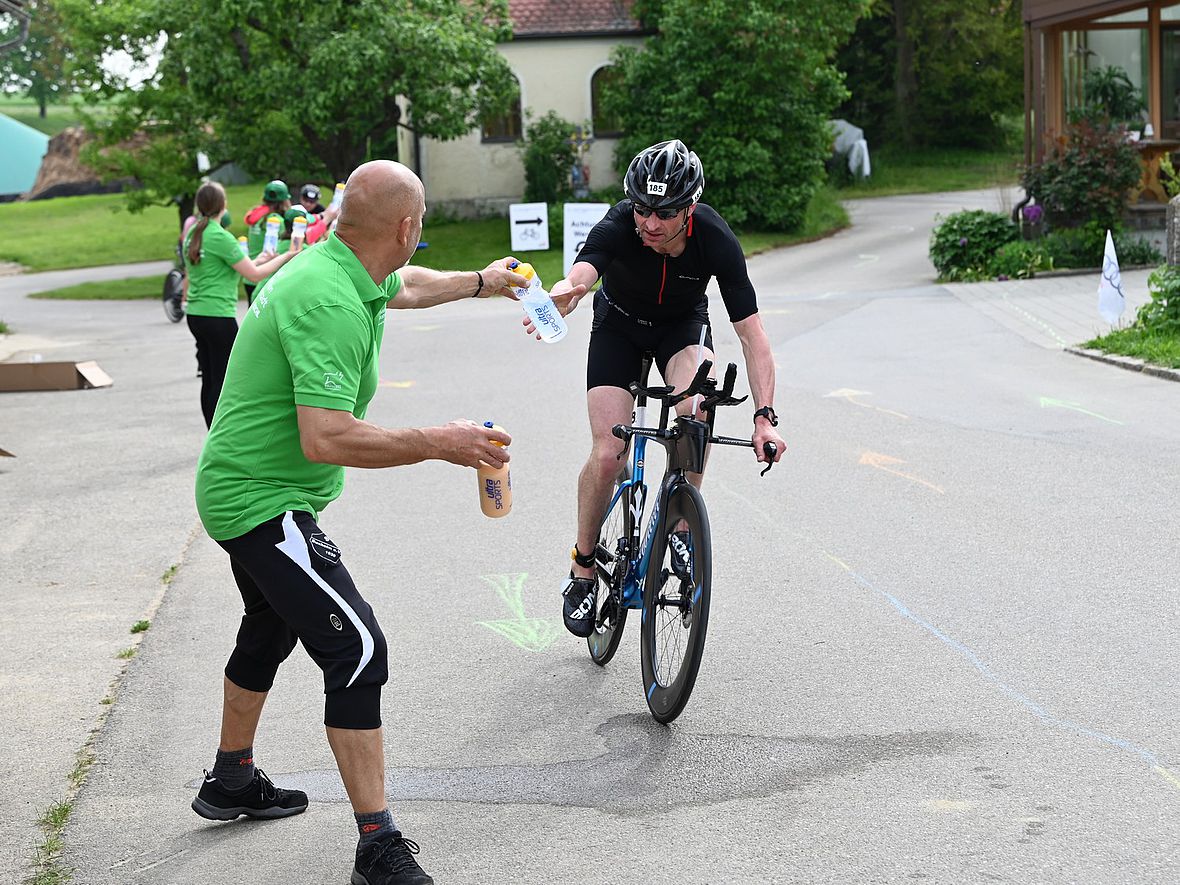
662, 214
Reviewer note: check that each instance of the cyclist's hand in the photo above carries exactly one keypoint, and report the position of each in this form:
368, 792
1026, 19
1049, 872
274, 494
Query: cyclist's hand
467, 444
498, 279
765, 432
566, 296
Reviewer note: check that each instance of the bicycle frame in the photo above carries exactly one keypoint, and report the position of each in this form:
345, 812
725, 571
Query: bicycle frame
681, 456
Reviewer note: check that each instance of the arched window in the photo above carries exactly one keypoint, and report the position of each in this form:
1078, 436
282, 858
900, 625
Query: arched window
605, 125
504, 127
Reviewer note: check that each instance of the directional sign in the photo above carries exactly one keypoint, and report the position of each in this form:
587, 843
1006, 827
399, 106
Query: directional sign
530, 226
577, 221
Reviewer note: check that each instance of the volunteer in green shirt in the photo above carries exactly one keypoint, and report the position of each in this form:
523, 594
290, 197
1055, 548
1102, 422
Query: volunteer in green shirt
291, 417
276, 200
213, 262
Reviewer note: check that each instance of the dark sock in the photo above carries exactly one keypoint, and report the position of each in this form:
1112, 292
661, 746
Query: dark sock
374, 826
234, 769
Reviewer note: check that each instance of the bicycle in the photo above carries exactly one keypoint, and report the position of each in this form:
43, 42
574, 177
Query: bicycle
174, 289
635, 571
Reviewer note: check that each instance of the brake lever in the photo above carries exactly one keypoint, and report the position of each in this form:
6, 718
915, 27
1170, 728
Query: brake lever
730, 380
769, 449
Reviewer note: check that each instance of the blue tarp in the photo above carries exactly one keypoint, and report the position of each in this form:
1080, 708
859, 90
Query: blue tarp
21, 151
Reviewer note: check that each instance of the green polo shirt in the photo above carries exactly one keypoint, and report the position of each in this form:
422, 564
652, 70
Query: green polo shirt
212, 281
312, 337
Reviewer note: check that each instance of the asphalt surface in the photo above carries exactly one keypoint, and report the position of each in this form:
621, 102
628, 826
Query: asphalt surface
941, 646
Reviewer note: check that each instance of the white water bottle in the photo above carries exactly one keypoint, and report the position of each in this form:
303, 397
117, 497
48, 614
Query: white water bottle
270, 241
338, 194
244, 246
298, 230
539, 307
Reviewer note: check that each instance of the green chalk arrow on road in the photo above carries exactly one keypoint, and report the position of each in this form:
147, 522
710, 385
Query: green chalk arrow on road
1047, 401
531, 634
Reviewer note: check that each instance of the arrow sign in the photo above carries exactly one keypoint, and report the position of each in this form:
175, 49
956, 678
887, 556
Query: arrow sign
1047, 402
529, 226
531, 634
884, 462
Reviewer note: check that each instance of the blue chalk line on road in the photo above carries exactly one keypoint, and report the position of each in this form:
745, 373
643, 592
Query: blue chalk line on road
1041, 713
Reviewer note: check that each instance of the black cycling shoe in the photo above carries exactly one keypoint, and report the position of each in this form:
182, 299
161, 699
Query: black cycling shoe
389, 862
680, 553
577, 611
260, 798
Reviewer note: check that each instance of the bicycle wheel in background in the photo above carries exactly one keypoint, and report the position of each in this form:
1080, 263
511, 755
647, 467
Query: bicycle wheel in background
173, 292
611, 566
676, 610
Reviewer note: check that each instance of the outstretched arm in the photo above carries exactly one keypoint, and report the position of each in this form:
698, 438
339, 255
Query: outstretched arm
423, 287
760, 371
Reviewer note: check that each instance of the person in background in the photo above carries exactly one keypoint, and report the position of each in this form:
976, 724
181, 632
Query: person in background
309, 198
276, 200
213, 262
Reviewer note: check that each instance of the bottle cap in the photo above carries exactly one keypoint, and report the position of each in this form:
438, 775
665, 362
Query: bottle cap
241, 239
494, 427
524, 269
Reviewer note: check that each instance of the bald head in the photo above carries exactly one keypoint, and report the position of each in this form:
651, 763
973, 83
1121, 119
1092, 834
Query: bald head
380, 193
381, 218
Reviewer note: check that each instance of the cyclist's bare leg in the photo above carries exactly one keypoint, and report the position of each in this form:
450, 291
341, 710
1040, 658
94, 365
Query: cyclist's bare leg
607, 406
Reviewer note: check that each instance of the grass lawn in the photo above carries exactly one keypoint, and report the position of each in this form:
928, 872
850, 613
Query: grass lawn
23, 110
930, 170
1151, 346
89, 231
109, 290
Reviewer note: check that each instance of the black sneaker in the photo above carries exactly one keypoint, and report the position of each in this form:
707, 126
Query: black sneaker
389, 862
680, 553
578, 608
260, 798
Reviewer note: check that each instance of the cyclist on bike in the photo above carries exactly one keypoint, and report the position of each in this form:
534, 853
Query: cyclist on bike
655, 252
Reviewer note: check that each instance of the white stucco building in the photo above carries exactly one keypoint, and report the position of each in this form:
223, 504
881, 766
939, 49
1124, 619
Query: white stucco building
560, 52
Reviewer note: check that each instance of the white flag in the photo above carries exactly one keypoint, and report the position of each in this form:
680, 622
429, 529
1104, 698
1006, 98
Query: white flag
1110, 291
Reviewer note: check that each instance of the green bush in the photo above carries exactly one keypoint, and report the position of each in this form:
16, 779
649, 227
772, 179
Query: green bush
963, 245
1084, 246
1019, 260
549, 156
1087, 176
1162, 312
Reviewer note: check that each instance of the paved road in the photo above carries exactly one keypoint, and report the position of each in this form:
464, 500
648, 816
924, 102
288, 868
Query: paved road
942, 643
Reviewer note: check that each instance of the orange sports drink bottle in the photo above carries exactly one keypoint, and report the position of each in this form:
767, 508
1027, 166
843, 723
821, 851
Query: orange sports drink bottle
495, 486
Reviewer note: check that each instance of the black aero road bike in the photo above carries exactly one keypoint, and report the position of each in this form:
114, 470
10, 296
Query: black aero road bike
665, 570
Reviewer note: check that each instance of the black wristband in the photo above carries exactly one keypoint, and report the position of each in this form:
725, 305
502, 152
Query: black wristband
480, 287
767, 412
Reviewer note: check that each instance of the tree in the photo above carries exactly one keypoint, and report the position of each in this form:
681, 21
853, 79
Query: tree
285, 89
40, 63
749, 86
935, 72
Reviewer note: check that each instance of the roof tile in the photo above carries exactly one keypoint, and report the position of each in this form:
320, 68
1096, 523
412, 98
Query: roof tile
570, 18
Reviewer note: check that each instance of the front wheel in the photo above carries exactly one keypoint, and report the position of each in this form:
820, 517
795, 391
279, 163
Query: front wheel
676, 603
173, 294
611, 558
